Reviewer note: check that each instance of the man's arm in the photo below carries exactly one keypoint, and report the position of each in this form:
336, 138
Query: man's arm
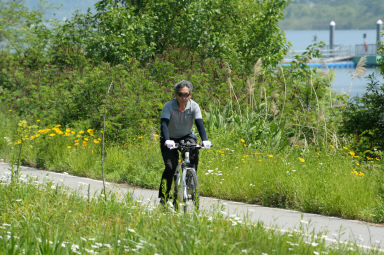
200, 127
164, 128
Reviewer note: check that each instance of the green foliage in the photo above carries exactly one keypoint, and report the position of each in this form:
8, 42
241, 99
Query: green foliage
364, 117
143, 29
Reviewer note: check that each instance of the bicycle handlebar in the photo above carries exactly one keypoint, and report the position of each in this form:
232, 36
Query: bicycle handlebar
183, 145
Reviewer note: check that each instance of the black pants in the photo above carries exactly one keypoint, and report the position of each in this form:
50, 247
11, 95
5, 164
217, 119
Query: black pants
171, 159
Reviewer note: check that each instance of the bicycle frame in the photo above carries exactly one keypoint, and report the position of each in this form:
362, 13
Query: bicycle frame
189, 181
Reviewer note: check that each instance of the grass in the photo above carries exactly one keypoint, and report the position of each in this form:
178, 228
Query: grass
332, 181
48, 219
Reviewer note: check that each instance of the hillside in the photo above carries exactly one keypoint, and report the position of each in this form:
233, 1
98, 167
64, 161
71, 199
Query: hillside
348, 14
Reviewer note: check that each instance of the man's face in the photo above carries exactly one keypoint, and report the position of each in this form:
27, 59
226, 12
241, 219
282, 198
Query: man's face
183, 95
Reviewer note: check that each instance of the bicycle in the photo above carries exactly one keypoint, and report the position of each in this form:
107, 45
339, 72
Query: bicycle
185, 178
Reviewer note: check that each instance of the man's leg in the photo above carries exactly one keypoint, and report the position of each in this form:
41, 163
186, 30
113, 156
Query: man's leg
194, 154
170, 158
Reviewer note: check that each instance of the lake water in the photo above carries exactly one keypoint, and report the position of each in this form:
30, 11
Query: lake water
343, 82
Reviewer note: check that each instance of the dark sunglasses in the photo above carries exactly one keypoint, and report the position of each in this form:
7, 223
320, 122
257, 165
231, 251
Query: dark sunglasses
185, 95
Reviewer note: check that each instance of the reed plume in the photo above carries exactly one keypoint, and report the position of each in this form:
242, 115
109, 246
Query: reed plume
252, 80
358, 72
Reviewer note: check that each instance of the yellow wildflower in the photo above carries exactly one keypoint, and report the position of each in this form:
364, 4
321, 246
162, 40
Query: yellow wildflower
377, 159
301, 159
69, 146
245, 156
270, 156
351, 153
37, 135
76, 144
73, 132
81, 132
78, 136
361, 174
357, 164
37, 120
52, 134
242, 140
332, 146
260, 160
85, 139
18, 142
96, 141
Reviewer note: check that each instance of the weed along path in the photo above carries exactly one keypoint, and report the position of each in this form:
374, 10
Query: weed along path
332, 229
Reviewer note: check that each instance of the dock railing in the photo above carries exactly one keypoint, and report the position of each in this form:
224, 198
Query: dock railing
339, 52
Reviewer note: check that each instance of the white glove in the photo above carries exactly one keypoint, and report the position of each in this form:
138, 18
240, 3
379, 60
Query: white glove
207, 144
170, 144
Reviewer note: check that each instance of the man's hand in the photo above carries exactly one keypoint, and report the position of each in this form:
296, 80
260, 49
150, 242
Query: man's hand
207, 144
170, 144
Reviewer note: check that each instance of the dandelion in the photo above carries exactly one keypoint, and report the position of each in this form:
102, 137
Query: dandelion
242, 140
270, 156
37, 135
245, 156
52, 134
73, 132
76, 144
96, 141
332, 146
140, 137
81, 132
352, 153
361, 174
69, 146
37, 120
86, 139
357, 164
18, 142
301, 159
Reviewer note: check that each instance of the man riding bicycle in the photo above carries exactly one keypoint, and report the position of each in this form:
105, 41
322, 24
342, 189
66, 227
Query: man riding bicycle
176, 124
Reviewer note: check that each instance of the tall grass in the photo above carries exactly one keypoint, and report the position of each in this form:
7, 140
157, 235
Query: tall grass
47, 219
330, 180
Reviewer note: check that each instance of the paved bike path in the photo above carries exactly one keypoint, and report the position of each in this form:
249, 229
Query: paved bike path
332, 229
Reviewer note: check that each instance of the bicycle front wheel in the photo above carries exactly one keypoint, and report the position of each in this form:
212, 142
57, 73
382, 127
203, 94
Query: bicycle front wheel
191, 187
